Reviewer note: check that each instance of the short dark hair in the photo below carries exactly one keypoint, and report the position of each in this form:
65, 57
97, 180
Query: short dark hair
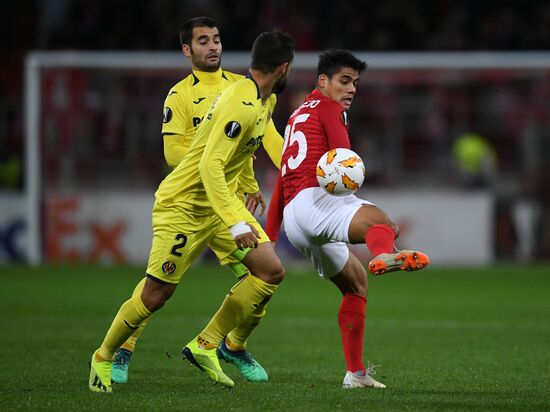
186, 31
332, 60
270, 50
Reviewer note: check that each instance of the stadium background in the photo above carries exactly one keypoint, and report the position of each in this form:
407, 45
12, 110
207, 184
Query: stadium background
448, 338
101, 131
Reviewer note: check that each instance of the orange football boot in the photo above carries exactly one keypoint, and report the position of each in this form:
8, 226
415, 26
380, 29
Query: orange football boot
408, 260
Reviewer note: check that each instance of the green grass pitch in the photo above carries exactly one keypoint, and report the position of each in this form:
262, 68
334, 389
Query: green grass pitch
447, 339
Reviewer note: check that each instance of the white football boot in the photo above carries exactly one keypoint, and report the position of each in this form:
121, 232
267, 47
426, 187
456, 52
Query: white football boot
362, 379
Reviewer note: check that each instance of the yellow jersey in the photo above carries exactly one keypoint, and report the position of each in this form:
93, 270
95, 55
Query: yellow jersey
184, 108
205, 181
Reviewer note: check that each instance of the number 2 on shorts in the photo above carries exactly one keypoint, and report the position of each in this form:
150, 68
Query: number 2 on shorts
175, 249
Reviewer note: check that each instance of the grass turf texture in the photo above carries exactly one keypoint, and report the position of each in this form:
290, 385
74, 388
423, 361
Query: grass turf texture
447, 339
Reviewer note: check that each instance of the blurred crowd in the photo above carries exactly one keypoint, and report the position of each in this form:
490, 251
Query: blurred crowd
407, 126
391, 25
315, 24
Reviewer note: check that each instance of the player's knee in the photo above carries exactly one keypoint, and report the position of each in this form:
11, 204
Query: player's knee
275, 274
153, 302
155, 298
354, 287
265, 264
280, 273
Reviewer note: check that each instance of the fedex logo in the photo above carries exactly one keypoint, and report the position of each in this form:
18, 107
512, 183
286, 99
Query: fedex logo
72, 237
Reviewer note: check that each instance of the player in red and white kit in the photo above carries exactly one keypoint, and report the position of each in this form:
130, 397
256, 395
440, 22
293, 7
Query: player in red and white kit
318, 224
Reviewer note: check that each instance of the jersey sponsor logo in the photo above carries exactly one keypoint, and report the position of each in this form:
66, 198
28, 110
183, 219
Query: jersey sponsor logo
344, 117
196, 121
166, 115
200, 99
168, 267
232, 129
252, 144
248, 103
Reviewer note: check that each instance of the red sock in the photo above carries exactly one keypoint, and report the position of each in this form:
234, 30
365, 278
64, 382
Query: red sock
379, 239
351, 319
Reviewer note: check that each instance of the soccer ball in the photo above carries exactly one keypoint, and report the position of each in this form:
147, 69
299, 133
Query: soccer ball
340, 172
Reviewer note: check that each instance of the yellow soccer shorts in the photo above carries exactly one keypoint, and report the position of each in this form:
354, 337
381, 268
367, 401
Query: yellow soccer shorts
220, 244
180, 238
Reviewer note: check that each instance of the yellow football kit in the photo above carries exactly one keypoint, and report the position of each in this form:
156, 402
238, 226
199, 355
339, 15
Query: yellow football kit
196, 204
184, 109
187, 103
185, 106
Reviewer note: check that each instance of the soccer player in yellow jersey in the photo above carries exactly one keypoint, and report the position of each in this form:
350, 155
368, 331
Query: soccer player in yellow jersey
196, 206
184, 109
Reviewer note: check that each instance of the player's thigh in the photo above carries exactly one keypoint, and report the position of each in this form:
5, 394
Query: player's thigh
315, 234
328, 258
323, 217
174, 248
364, 218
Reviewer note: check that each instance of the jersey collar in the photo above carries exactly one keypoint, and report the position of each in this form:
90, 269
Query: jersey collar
249, 76
316, 93
208, 77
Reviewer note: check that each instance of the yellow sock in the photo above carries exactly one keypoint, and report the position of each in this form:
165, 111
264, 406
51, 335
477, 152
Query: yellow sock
139, 288
243, 299
128, 319
236, 339
131, 342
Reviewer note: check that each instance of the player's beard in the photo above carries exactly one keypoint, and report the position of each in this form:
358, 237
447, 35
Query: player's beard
203, 65
280, 84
